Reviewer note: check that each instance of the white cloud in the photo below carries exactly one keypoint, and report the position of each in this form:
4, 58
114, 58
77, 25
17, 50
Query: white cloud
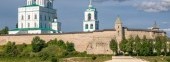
154, 5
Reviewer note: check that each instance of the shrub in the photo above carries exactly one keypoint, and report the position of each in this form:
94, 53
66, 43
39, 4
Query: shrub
11, 49
54, 59
37, 44
94, 57
113, 46
70, 47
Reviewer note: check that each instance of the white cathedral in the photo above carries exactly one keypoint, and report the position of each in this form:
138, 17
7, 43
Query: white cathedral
39, 17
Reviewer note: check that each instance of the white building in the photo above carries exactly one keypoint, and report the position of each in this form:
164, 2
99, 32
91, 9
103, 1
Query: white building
37, 17
90, 22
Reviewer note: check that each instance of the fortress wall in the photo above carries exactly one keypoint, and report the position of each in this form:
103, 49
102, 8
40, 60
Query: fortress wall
139, 33
82, 41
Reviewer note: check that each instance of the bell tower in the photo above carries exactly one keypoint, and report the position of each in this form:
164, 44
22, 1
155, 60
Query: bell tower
90, 22
119, 29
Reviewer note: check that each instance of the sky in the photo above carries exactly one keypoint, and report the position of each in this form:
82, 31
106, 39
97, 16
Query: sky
134, 13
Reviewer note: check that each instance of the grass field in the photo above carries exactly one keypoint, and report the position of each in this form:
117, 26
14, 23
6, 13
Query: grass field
21, 59
81, 59
156, 58
72, 59
87, 59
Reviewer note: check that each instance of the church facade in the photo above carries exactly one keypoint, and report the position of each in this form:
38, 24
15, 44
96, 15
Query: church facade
37, 17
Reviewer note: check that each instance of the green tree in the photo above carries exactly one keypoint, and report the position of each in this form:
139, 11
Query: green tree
61, 43
123, 45
137, 45
37, 44
4, 31
70, 47
113, 46
11, 49
164, 44
158, 45
129, 45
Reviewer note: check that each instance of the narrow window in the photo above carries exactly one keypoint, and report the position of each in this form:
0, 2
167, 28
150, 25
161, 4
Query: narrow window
91, 26
40, 17
89, 17
49, 18
21, 25
35, 25
28, 25
86, 26
45, 26
45, 18
35, 17
22, 17
28, 17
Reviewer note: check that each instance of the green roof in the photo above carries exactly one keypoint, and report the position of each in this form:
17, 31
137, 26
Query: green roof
26, 29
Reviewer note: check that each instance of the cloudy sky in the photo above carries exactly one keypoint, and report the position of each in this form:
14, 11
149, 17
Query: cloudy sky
134, 13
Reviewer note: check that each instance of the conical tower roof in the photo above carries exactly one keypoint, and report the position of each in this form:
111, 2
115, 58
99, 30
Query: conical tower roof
118, 20
155, 25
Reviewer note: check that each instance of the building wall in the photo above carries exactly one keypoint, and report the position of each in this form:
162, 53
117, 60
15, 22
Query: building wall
141, 34
92, 42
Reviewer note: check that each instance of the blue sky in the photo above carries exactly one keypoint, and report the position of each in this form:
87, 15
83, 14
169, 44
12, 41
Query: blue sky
134, 13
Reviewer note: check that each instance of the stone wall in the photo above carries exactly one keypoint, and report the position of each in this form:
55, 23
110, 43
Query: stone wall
93, 42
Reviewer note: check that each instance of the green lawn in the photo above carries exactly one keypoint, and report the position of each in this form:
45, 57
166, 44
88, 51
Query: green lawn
22, 59
155, 58
87, 59
72, 59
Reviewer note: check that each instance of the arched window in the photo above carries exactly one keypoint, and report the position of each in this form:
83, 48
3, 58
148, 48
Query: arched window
89, 16
45, 18
28, 17
35, 25
45, 26
28, 25
22, 17
34, 1
49, 18
40, 17
91, 26
86, 26
21, 25
35, 17
41, 25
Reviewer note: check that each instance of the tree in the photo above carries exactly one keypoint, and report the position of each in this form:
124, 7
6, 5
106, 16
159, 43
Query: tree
137, 45
123, 45
130, 45
145, 48
37, 44
113, 46
70, 47
4, 31
11, 49
61, 43
164, 44
158, 45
